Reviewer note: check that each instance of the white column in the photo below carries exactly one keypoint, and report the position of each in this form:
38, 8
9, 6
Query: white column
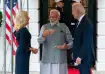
34, 30
100, 64
1, 40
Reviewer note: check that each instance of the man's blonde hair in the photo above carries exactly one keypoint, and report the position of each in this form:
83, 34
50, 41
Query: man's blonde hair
21, 19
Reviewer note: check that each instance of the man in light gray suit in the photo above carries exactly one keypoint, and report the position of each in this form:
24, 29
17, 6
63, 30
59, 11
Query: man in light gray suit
56, 39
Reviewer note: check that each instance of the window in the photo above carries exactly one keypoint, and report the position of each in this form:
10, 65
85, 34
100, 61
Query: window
85, 4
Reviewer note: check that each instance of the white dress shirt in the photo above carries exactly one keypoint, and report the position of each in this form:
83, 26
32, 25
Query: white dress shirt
80, 19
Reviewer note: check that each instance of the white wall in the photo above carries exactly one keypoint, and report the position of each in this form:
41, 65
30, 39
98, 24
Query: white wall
100, 64
1, 41
34, 30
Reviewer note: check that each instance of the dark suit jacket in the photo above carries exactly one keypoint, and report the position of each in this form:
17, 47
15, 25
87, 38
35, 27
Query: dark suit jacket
83, 41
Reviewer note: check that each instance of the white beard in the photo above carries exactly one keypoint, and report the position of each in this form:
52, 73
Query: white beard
53, 23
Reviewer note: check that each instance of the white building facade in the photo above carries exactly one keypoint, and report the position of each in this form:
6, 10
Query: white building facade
33, 9
100, 63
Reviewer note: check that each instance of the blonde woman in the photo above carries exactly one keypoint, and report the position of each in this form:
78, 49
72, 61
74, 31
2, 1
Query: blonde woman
24, 43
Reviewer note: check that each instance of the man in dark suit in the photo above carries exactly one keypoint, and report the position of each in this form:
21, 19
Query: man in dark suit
83, 39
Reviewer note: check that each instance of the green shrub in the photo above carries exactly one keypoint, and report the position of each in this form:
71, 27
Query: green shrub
1, 16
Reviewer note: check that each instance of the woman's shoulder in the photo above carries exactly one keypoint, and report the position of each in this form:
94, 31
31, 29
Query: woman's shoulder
23, 29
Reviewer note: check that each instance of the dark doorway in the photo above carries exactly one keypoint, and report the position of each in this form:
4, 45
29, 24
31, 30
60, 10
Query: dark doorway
90, 6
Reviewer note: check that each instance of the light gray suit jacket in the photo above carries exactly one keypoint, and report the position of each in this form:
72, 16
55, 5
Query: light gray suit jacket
50, 54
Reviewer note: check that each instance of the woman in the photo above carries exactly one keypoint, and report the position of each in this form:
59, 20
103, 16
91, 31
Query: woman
24, 43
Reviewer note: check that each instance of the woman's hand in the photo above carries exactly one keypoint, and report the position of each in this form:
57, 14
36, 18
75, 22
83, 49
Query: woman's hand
34, 50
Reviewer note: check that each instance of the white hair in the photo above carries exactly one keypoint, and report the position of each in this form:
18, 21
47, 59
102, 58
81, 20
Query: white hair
79, 7
54, 10
77, 0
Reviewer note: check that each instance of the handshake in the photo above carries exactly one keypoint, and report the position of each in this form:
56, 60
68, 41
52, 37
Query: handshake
34, 50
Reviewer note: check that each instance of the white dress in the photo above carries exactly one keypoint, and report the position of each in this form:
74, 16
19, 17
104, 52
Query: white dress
49, 68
